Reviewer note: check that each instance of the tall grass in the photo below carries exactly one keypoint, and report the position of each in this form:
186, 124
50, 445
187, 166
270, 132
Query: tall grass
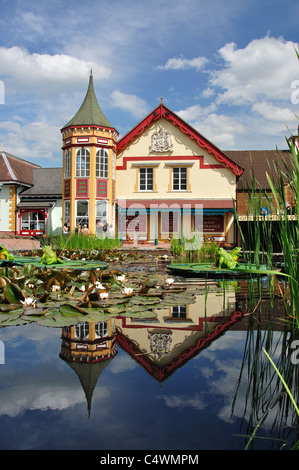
80, 241
287, 229
193, 250
257, 239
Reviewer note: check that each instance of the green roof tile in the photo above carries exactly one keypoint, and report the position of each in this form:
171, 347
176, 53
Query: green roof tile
90, 113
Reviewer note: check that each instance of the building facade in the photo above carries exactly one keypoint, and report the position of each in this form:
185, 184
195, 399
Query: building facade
161, 180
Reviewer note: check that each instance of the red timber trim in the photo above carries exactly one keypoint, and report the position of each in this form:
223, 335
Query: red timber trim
163, 112
200, 158
161, 374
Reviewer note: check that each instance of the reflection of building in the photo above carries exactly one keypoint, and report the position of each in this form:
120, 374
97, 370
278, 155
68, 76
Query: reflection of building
88, 348
163, 344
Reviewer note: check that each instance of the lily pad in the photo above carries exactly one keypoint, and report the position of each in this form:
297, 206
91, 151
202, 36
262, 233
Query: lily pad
13, 293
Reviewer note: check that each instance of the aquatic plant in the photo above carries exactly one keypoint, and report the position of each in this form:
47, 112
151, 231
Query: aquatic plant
194, 249
63, 297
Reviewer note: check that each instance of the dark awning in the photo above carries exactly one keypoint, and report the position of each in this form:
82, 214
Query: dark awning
35, 204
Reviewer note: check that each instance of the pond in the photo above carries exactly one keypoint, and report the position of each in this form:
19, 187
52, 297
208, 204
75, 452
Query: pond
191, 376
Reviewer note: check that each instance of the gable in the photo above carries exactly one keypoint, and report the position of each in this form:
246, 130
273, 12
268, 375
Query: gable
185, 139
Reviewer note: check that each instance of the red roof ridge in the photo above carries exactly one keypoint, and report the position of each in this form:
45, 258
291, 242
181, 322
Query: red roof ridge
162, 111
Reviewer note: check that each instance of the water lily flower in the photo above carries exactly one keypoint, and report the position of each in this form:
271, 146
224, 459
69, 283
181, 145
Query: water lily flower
121, 278
104, 295
128, 290
28, 301
98, 285
82, 288
169, 281
55, 288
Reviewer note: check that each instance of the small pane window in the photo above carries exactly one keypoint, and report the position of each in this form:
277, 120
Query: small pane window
102, 161
146, 179
101, 329
179, 311
82, 162
179, 179
67, 165
82, 330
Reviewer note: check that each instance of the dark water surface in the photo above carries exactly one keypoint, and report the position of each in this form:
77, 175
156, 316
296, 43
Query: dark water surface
171, 383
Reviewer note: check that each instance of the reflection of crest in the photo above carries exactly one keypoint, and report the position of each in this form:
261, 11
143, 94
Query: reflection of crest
160, 343
161, 141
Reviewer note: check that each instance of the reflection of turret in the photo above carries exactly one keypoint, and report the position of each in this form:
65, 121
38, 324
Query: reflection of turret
88, 348
178, 333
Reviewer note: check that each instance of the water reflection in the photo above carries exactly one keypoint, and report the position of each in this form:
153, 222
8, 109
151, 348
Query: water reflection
178, 344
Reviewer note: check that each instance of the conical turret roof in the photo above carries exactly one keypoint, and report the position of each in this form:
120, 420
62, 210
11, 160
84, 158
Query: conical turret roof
90, 113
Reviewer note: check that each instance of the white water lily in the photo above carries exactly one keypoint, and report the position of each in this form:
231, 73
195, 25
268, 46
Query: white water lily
128, 290
169, 281
82, 288
121, 278
98, 285
28, 301
104, 295
55, 288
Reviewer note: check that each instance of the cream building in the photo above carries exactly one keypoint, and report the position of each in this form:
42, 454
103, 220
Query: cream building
171, 181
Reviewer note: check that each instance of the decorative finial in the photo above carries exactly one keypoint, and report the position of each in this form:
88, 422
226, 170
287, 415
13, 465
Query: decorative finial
161, 100
91, 71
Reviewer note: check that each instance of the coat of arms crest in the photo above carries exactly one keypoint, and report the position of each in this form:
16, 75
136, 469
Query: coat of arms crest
161, 141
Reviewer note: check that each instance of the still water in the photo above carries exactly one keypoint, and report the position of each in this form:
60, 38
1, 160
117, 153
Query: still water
193, 378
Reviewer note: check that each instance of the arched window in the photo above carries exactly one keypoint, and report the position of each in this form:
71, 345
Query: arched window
82, 330
67, 164
102, 160
82, 162
101, 329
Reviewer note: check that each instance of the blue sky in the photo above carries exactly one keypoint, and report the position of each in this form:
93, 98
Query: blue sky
228, 68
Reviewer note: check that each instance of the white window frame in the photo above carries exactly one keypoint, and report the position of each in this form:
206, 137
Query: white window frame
82, 330
180, 177
67, 163
82, 162
101, 329
145, 171
102, 163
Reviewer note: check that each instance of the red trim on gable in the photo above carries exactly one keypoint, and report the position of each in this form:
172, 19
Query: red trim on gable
162, 112
202, 165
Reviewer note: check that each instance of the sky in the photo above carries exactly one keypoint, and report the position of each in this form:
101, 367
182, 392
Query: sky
229, 68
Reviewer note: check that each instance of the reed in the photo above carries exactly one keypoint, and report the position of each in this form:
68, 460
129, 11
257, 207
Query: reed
191, 250
257, 239
79, 241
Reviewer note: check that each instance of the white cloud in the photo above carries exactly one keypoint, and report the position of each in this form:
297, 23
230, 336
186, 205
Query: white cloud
176, 401
180, 63
22, 70
16, 400
265, 69
218, 128
274, 113
128, 102
32, 141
